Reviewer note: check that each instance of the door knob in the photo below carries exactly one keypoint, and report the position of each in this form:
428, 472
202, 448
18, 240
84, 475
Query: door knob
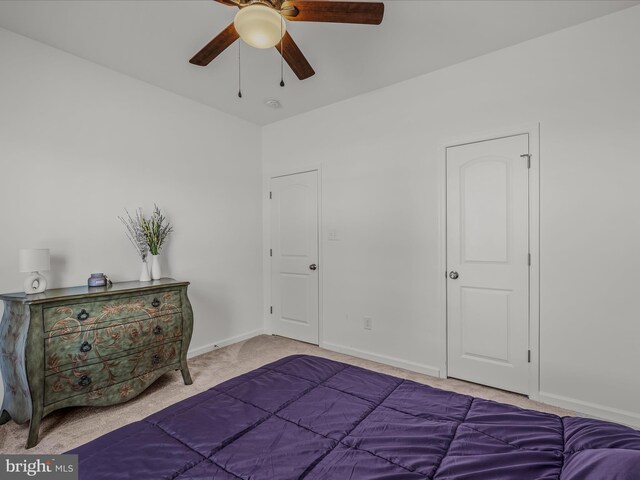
313, 266
453, 275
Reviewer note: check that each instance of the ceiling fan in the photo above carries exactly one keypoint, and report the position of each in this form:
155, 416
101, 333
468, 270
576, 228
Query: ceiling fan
260, 23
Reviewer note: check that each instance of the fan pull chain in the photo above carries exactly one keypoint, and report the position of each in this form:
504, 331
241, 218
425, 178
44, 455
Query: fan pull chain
281, 51
239, 70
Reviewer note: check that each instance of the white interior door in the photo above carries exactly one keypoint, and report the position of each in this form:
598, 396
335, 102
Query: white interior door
294, 256
488, 262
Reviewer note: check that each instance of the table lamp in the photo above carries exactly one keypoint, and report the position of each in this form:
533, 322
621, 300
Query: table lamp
33, 261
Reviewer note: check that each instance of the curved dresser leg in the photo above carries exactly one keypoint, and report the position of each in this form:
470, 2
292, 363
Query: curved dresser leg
187, 331
34, 429
186, 376
5, 417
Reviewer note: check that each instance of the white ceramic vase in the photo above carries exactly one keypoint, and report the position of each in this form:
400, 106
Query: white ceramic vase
156, 272
144, 273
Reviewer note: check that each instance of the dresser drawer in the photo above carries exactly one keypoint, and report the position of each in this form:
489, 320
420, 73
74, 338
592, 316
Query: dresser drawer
118, 392
77, 381
72, 317
86, 344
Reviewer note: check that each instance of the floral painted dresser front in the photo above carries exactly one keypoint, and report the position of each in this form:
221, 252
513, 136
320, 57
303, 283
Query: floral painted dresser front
90, 346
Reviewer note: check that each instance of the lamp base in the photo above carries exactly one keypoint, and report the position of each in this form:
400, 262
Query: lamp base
34, 283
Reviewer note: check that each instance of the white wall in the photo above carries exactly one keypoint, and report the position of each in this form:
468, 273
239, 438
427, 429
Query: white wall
379, 156
79, 143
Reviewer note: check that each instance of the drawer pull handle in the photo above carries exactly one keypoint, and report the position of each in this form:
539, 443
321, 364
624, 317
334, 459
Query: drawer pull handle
83, 315
85, 381
157, 330
155, 303
85, 347
155, 360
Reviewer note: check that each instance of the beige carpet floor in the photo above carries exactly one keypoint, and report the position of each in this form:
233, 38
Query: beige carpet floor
69, 428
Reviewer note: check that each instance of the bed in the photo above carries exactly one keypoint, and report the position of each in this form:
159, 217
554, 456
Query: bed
305, 417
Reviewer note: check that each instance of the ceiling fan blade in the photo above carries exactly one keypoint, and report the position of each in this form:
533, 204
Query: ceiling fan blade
215, 47
227, 2
369, 13
294, 57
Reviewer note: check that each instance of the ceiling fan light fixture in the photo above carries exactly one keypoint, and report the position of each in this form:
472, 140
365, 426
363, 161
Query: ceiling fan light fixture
260, 26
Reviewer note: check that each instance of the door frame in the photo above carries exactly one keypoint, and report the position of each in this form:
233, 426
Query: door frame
266, 243
533, 130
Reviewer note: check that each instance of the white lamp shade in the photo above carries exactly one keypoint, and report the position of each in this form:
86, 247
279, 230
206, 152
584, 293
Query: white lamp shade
260, 26
35, 260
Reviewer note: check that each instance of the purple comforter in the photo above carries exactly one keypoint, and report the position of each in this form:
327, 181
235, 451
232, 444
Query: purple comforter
313, 418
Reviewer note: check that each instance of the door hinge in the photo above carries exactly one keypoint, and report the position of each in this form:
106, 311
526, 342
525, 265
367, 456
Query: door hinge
528, 157
271, 310
270, 195
529, 259
271, 252
528, 356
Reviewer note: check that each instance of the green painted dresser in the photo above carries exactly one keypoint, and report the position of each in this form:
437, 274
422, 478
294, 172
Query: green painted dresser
90, 346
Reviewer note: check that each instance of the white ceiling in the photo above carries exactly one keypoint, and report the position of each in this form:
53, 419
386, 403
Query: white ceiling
153, 41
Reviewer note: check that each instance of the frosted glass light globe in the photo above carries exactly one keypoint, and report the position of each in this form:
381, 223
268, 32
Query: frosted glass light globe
260, 26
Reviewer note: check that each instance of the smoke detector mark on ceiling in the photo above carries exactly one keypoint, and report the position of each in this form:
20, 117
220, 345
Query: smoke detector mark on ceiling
273, 103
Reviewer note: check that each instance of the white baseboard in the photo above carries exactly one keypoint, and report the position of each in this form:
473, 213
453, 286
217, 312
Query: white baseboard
194, 352
625, 417
394, 362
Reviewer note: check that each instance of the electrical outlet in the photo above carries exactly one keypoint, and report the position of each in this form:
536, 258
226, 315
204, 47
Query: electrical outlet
367, 323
